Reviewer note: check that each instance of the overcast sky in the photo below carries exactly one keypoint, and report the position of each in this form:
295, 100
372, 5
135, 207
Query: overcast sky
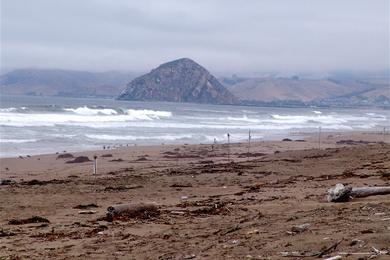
223, 35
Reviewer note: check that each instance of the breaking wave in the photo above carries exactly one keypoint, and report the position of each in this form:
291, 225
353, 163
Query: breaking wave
83, 116
92, 111
18, 141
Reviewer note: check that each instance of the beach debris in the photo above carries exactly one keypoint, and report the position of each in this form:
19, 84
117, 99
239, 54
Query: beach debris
244, 155
341, 193
127, 211
86, 206
353, 142
65, 156
38, 182
177, 185
106, 155
320, 254
122, 188
212, 209
300, 228
87, 212
369, 255
117, 160
286, 140
34, 219
176, 212
6, 182
329, 249
6, 233
80, 159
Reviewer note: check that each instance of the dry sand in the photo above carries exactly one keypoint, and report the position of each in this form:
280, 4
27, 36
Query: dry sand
210, 208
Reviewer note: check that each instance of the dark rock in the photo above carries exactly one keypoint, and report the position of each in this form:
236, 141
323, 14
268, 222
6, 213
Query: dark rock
180, 80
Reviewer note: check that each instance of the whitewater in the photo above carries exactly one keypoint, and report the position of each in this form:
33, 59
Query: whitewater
37, 125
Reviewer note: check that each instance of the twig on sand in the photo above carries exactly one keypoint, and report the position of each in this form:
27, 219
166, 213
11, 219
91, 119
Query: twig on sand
328, 249
324, 252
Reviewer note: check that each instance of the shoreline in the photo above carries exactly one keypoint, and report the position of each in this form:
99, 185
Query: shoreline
214, 202
294, 135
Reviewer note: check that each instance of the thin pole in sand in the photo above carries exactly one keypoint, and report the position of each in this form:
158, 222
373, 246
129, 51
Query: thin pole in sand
215, 147
228, 136
384, 134
249, 144
319, 137
94, 176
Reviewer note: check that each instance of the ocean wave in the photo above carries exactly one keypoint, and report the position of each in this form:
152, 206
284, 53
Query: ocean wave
243, 119
92, 111
166, 137
323, 119
146, 114
8, 109
83, 117
18, 141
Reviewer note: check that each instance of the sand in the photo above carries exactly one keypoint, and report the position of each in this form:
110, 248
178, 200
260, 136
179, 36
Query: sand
250, 207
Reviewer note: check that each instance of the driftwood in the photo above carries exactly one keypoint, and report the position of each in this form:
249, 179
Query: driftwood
34, 219
341, 193
126, 211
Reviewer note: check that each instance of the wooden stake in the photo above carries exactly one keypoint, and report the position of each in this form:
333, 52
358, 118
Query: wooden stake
384, 134
228, 136
249, 144
319, 137
94, 174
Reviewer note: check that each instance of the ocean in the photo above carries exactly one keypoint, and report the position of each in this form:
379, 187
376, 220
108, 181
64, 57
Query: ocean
37, 125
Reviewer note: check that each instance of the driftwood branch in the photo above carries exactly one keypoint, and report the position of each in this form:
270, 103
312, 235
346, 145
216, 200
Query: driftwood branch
126, 211
341, 193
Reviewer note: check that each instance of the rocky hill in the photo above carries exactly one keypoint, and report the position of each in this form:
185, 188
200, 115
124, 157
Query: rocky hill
55, 82
181, 80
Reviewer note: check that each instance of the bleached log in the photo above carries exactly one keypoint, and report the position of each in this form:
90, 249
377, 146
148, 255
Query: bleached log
341, 193
141, 210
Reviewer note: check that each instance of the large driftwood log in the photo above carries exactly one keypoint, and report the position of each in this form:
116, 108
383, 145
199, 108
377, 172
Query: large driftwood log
124, 211
341, 193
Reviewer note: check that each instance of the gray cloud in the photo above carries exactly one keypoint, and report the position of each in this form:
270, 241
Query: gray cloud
224, 35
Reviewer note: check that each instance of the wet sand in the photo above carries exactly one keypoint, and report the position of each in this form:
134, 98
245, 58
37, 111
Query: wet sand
210, 207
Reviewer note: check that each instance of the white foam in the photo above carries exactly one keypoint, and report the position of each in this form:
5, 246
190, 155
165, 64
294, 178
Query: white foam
243, 119
84, 117
323, 119
91, 111
146, 114
8, 109
165, 137
18, 141
317, 112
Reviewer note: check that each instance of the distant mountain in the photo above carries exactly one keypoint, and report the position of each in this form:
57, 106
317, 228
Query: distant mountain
181, 80
296, 91
54, 82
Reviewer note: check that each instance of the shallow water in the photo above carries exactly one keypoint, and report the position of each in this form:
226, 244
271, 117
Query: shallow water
36, 125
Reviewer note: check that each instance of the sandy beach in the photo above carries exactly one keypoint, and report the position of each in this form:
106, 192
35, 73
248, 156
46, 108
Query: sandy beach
214, 202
